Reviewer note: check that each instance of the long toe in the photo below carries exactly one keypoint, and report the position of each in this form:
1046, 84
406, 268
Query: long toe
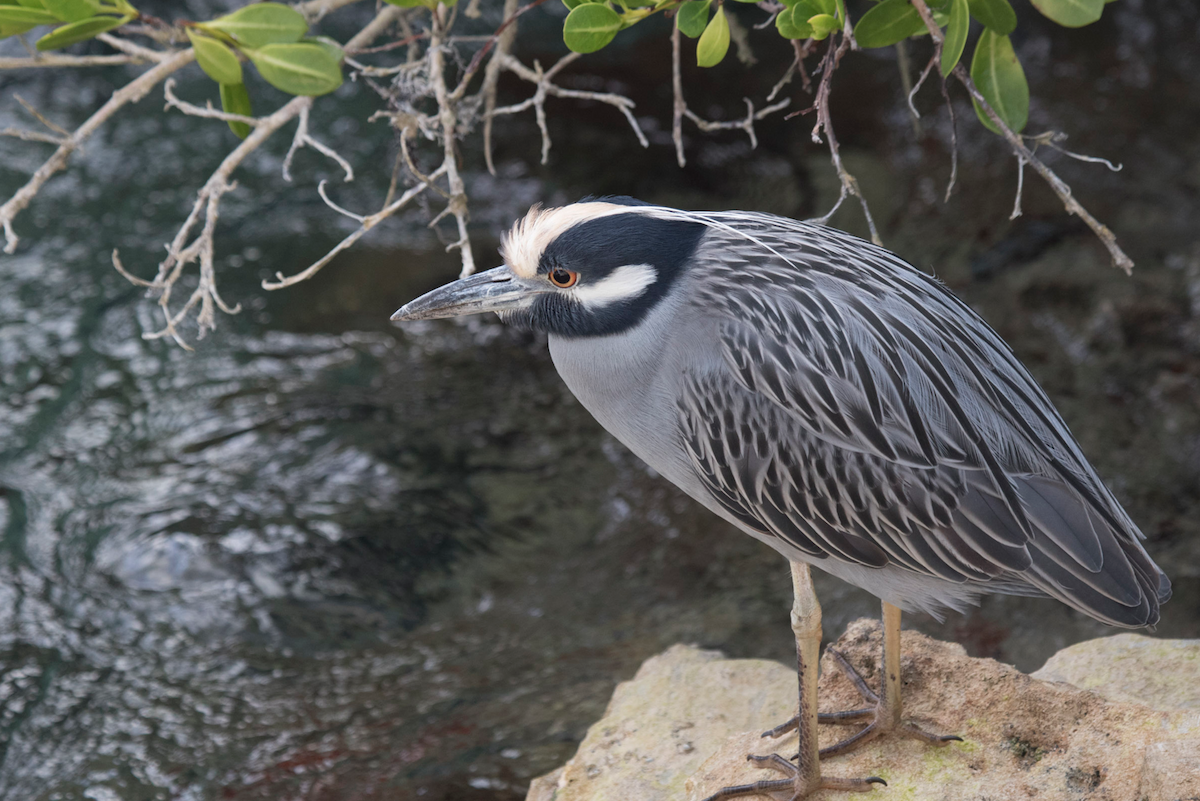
878, 718
796, 784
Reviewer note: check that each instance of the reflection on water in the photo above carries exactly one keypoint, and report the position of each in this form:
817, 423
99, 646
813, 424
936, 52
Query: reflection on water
325, 558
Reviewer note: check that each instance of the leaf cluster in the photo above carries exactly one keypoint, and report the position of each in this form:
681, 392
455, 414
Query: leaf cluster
272, 36
995, 68
74, 20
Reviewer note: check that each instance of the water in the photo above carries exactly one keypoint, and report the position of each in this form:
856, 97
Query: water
324, 557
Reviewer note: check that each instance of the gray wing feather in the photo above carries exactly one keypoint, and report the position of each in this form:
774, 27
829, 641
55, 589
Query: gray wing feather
865, 414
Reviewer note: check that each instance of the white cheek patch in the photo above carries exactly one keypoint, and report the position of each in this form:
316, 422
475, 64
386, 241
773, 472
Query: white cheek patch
625, 283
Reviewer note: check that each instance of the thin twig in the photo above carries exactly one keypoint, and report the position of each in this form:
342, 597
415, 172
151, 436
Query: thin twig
680, 105
62, 60
1016, 212
197, 111
180, 252
487, 47
491, 79
545, 86
368, 222
746, 124
448, 118
131, 92
136, 50
1060, 187
953, 141
849, 184
302, 139
912, 90
31, 136
907, 82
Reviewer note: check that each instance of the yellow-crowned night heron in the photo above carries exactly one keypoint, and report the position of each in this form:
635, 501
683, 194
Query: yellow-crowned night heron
827, 398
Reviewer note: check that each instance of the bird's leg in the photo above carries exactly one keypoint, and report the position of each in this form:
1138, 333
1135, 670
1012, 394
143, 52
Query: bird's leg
883, 713
804, 777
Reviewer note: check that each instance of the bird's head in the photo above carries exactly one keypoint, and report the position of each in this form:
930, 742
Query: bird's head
589, 269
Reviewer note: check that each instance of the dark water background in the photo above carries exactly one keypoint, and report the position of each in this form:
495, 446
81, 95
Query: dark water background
326, 558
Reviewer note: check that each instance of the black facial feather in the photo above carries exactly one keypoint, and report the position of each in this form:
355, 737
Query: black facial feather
596, 248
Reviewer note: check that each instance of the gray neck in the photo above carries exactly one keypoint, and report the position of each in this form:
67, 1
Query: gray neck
622, 381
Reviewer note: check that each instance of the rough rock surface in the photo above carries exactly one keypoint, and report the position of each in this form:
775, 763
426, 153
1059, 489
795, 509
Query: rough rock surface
1164, 674
681, 728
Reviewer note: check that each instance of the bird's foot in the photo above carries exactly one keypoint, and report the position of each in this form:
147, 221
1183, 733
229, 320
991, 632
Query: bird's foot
799, 785
878, 718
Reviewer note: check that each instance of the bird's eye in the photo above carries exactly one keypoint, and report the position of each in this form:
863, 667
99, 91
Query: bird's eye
563, 279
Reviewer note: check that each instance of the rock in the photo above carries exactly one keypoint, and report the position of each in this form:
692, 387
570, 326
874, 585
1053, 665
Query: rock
1163, 674
682, 727
661, 725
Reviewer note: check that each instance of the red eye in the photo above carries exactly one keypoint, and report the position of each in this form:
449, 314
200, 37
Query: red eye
563, 279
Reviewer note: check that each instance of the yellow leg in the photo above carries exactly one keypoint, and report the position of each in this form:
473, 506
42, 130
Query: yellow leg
804, 777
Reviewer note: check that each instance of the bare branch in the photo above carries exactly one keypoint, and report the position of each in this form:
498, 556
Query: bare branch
1016, 212
906, 81
849, 184
509, 20
131, 92
1052, 138
368, 222
207, 111
62, 60
912, 90
37, 115
746, 124
301, 139
953, 139
1060, 187
137, 51
680, 105
448, 118
388, 15
491, 79
334, 206
31, 136
545, 86
180, 252
314, 10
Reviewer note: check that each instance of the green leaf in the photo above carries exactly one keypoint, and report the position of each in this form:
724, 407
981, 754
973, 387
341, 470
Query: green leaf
216, 59
824, 7
73, 32
12, 30
330, 46
692, 17
956, 35
995, 14
998, 75
72, 10
714, 42
1071, 13
887, 23
261, 24
822, 25
590, 27
790, 27
30, 4
298, 69
236, 100
20, 15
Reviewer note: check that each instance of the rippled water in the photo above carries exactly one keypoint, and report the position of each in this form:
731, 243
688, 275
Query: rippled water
323, 557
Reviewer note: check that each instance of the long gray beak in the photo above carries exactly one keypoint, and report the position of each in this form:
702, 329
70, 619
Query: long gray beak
495, 290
